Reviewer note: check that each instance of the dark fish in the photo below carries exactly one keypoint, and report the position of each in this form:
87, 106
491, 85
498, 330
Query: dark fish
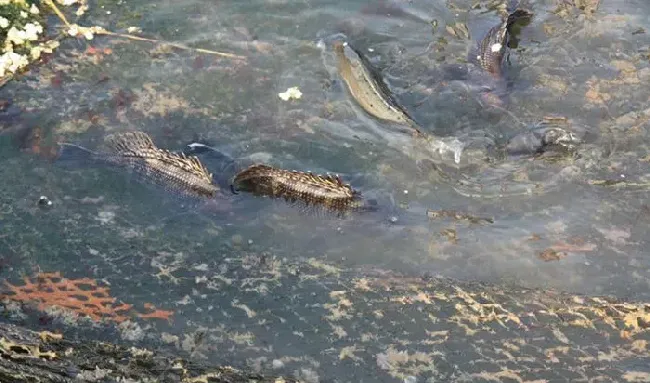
136, 152
368, 88
542, 139
312, 190
491, 50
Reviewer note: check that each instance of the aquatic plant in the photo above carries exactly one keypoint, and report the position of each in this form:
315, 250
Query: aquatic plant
23, 40
21, 34
83, 297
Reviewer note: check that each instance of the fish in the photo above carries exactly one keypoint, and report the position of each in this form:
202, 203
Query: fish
368, 89
492, 48
542, 138
311, 190
136, 152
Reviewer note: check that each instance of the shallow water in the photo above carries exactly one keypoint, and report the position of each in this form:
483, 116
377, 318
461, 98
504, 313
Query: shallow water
591, 68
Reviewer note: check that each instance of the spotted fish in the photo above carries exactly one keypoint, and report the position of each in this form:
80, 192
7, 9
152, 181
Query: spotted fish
492, 48
368, 88
326, 192
136, 152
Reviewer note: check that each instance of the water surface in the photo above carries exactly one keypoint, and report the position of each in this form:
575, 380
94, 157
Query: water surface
591, 68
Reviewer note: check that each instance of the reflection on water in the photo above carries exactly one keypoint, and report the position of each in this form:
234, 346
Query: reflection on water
551, 228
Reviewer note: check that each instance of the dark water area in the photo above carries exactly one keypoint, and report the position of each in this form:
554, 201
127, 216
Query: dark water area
221, 266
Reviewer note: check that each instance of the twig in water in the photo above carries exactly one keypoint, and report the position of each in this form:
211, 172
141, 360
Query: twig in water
101, 31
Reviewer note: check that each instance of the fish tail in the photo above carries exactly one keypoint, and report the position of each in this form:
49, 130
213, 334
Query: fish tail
74, 153
516, 15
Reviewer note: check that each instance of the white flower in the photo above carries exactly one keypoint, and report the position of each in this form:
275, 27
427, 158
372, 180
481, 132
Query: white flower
23, 14
32, 30
16, 36
4, 23
49, 46
82, 9
35, 52
34, 10
292, 92
133, 29
88, 34
74, 30
66, 2
5, 2
46, 47
11, 62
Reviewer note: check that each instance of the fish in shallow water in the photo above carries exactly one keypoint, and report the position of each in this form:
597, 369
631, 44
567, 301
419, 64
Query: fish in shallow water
492, 48
368, 88
312, 190
315, 194
136, 152
547, 136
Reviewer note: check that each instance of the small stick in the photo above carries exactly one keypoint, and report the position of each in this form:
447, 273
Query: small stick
102, 31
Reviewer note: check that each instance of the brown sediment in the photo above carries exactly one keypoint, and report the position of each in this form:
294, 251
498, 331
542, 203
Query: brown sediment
317, 190
185, 174
458, 216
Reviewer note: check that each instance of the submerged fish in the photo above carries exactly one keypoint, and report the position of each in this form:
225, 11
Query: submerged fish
492, 48
136, 152
314, 193
368, 88
312, 190
545, 137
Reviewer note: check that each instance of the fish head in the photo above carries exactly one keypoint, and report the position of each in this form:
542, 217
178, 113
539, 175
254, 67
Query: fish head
562, 138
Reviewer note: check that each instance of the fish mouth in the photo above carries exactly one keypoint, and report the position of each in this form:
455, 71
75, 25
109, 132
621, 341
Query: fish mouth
333, 41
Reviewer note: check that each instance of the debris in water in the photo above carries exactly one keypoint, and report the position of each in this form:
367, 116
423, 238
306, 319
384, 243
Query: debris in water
551, 255
44, 201
291, 93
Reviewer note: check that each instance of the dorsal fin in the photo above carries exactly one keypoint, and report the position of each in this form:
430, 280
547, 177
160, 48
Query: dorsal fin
137, 150
130, 142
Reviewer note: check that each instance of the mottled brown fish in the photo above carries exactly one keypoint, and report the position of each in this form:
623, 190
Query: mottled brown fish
136, 152
491, 50
313, 190
179, 172
368, 88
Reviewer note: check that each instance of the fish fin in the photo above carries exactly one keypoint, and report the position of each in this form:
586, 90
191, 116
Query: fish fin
129, 143
519, 14
69, 154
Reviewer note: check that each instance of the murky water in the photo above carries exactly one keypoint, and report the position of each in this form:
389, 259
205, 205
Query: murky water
591, 68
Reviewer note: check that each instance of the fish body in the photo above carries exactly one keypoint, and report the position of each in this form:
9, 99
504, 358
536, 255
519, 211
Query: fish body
541, 139
136, 152
368, 88
312, 190
492, 48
